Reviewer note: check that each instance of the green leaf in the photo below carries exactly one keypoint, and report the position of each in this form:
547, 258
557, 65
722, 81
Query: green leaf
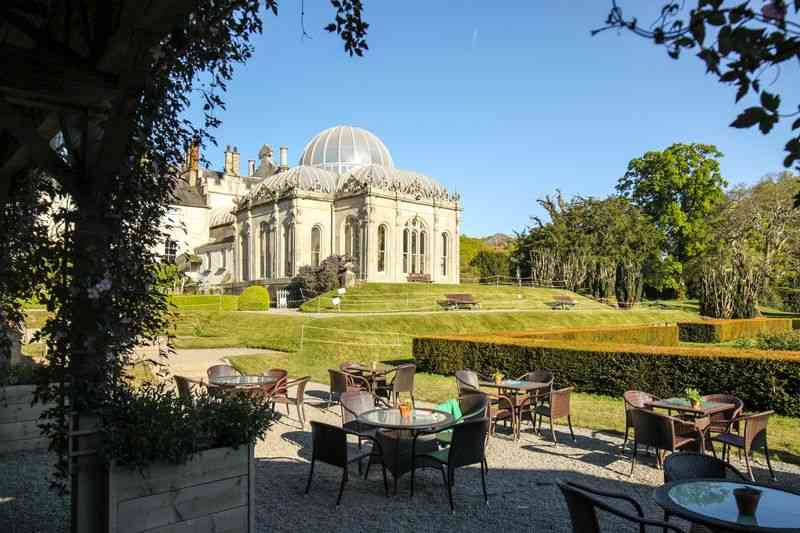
716, 18
698, 28
748, 118
771, 102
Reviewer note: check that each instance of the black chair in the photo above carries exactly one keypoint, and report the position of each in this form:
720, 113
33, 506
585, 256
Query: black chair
472, 405
468, 447
681, 466
330, 446
355, 403
662, 432
583, 502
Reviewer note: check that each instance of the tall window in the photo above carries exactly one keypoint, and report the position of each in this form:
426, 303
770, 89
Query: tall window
245, 257
316, 239
406, 248
422, 246
445, 252
288, 250
264, 247
170, 250
224, 258
352, 241
381, 248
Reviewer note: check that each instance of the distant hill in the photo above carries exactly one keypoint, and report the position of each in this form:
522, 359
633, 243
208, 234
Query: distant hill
498, 240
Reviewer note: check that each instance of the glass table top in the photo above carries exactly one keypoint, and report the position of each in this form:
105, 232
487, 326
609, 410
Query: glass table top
418, 419
243, 380
715, 499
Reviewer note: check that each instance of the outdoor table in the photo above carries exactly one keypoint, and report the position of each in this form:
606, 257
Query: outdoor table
701, 415
516, 387
397, 442
243, 383
710, 502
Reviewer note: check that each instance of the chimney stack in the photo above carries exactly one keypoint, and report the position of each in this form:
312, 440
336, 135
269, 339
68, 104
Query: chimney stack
284, 160
251, 167
232, 165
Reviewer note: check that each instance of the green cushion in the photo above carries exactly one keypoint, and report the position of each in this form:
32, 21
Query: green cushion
452, 407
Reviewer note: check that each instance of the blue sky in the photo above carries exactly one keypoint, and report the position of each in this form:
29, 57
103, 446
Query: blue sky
503, 104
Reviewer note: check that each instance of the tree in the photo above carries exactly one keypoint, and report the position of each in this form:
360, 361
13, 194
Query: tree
491, 263
742, 43
678, 188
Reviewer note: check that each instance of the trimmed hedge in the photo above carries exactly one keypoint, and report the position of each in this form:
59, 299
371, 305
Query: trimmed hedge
763, 379
729, 330
652, 335
254, 298
210, 302
796, 323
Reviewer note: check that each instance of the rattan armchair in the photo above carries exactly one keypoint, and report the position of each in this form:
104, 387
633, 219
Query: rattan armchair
583, 503
221, 371
500, 407
402, 381
634, 399
280, 395
555, 406
752, 436
722, 422
343, 382
662, 432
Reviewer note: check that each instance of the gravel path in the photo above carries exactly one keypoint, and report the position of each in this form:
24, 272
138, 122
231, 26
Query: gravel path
522, 493
193, 363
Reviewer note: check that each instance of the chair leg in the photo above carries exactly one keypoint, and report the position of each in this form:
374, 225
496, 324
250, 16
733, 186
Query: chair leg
483, 482
449, 486
369, 464
552, 431
413, 468
749, 468
341, 486
385, 480
633, 455
625, 442
769, 463
310, 475
569, 422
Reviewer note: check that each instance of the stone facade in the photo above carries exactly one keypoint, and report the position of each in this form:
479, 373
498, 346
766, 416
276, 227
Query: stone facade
346, 197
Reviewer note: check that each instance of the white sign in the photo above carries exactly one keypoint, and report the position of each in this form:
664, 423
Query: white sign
342, 290
336, 301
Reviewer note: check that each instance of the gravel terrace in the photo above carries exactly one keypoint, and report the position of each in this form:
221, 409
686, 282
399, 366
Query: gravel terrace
522, 495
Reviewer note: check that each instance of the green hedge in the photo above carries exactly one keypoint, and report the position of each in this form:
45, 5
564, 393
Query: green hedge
796, 323
653, 335
254, 298
729, 330
764, 380
207, 302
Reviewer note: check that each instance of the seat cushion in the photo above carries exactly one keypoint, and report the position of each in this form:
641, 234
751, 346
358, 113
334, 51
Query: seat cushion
439, 456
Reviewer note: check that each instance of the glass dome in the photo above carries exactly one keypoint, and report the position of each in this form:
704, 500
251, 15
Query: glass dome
343, 148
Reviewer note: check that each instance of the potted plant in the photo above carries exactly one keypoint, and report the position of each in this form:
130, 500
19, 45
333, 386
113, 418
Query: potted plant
693, 395
498, 377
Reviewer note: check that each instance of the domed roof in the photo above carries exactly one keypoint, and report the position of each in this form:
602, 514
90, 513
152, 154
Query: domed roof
392, 179
343, 148
302, 177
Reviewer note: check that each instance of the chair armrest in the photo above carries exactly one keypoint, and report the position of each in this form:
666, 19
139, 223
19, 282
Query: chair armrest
354, 378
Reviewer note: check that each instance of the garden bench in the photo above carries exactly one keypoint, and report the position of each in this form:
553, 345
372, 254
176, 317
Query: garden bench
420, 278
563, 303
459, 301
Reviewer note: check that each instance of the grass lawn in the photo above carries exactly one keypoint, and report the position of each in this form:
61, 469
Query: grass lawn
388, 297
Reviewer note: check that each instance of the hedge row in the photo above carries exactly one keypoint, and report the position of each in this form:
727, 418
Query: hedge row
653, 335
796, 323
729, 330
210, 302
764, 380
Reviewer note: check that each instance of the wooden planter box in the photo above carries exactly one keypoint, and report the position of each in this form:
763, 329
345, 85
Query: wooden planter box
213, 492
19, 419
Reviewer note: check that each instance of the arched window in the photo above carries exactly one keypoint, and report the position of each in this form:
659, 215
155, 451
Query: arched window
381, 248
414, 253
422, 246
445, 253
288, 250
352, 241
406, 237
316, 241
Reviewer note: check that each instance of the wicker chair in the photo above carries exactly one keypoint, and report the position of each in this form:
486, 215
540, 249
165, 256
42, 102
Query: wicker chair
281, 396
557, 405
662, 432
634, 399
221, 371
721, 422
402, 381
353, 404
752, 437
279, 387
330, 446
344, 382
472, 405
583, 502
500, 407
468, 447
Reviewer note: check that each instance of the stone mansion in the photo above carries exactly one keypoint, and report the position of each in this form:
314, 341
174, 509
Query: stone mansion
345, 197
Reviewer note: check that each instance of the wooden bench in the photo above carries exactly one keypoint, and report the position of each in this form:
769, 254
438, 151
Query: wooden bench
459, 301
420, 278
563, 303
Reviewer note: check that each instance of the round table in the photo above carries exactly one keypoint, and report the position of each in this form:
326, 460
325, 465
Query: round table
398, 444
243, 381
711, 502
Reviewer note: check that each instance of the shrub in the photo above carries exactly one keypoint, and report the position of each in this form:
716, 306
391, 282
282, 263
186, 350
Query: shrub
18, 374
796, 323
254, 298
653, 335
763, 379
729, 330
209, 302
151, 424
787, 341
